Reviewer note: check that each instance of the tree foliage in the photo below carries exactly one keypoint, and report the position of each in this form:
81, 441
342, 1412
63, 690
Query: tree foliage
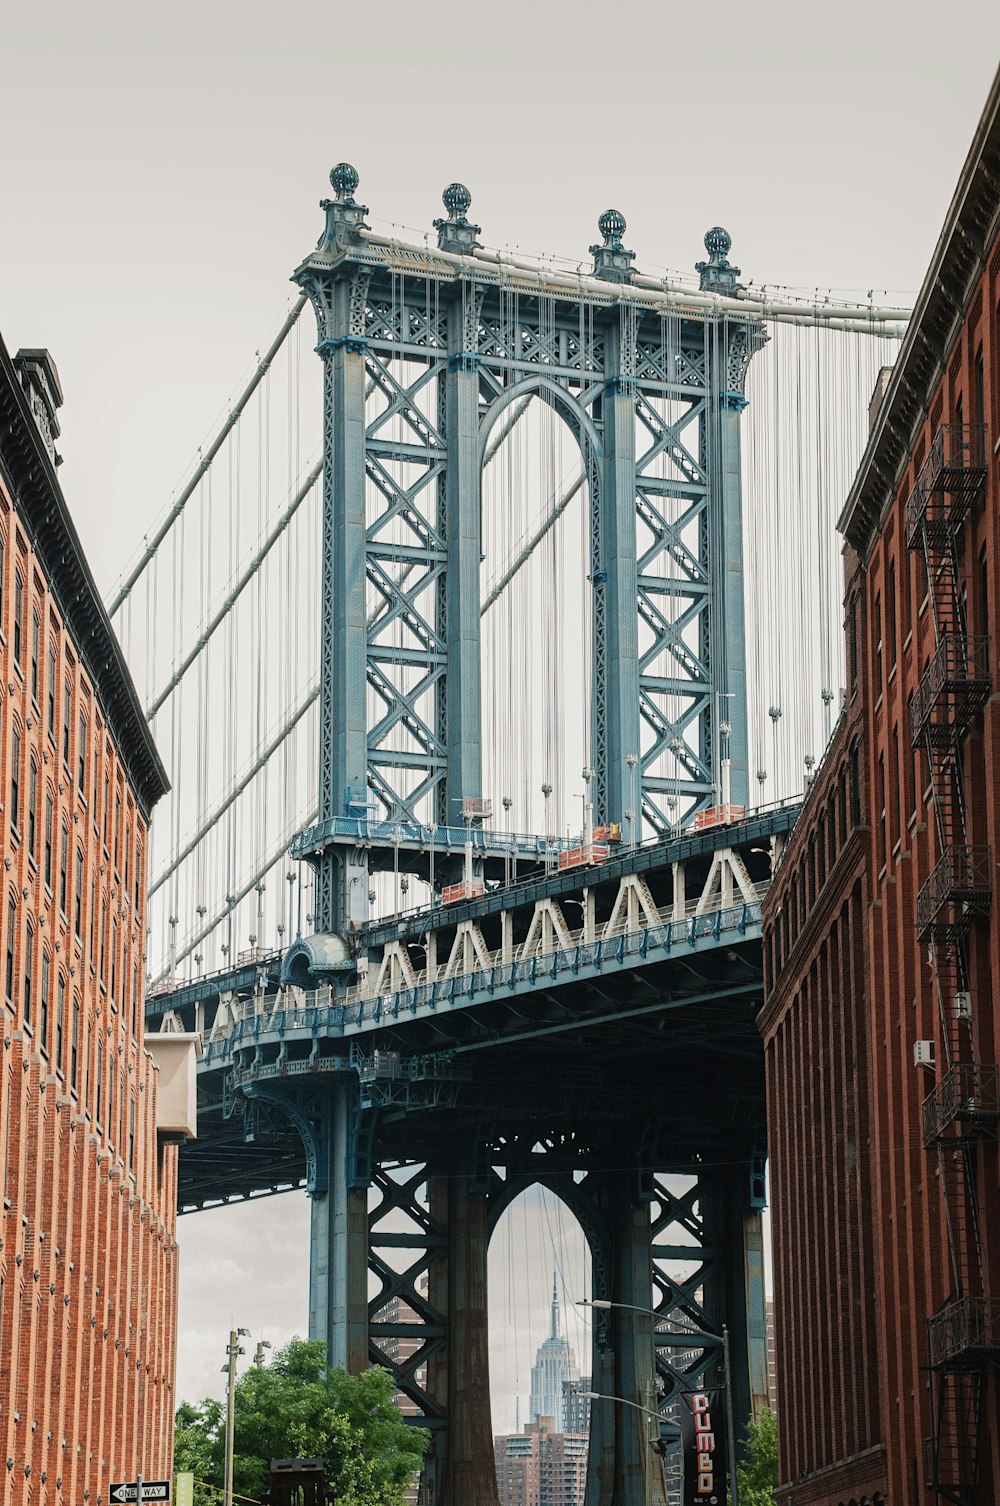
297, 1407
757, 1473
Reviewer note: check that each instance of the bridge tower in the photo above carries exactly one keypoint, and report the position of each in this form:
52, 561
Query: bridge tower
426, 352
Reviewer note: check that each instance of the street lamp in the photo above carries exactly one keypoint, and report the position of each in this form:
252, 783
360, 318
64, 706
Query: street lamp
233, 1350
632, 759
691, 1339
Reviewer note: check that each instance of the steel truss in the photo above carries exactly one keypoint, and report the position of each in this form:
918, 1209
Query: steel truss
424, 352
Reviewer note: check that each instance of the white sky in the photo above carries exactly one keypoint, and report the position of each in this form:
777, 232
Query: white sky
161, 168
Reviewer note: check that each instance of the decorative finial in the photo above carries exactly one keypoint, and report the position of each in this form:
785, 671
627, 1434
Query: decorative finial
345, 218
717, 276
456, 233
611, 260
344, 181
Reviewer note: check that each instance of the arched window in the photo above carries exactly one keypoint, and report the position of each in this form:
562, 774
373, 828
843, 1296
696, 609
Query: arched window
18, 617
50, 694
43, 1012
15, 777
11, 949
78, 896
29, 964
50, 817
33, 809
60, 1022
74, 1046
36, 649
64, 868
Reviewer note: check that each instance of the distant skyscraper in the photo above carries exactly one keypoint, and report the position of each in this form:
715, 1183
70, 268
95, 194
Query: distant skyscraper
555, 1364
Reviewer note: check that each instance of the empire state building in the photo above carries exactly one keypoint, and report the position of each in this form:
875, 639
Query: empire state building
555, 1363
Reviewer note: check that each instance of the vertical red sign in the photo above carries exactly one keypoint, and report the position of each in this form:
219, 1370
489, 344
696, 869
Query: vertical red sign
703, 1438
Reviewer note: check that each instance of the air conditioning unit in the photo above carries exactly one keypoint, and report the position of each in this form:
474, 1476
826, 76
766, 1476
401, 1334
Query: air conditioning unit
963, 1006
923, 1054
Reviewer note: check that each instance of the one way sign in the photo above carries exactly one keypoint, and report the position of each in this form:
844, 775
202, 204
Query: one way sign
152, 1490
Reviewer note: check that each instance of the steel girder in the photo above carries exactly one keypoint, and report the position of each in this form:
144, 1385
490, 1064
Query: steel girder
419, 364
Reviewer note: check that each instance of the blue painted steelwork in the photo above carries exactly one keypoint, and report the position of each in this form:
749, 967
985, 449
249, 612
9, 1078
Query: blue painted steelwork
443, 344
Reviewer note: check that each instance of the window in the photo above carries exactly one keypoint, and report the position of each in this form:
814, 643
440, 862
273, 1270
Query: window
131, 1133
138, 872
29, 963
86, 1063
81, 756
60, 1021
852, 643
78, 896
984, 594
895, 777
979, 387
18, 616
878, 644
135, 998
107, 806
67, 714
74, 1046
15, 778
64, 868
43, 1013
50, 816
104, 927
36, 648
890, 615
11, 943
114, 962
33, 810
99, 1088
118, 830
50, 694
882, 848
128, 854
855, 786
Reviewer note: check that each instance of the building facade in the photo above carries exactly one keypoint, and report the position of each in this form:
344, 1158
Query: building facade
88, 1257
554, 1368
541, 1467
882, 944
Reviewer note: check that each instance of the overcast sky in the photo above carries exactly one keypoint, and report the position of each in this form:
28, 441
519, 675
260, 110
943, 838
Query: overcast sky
161, 167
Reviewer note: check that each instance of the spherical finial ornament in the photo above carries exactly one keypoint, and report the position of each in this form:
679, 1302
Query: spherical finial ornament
457, 200
344, 180
612, 224
718, 242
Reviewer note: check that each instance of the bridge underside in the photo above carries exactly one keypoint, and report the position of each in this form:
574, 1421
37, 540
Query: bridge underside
608, 1052
638, 1100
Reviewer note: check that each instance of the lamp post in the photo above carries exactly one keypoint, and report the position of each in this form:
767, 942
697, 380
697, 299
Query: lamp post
680, 1339
632, 759
233, 1350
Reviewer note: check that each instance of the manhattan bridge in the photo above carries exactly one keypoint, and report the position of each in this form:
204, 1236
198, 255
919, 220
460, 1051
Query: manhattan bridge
490, 646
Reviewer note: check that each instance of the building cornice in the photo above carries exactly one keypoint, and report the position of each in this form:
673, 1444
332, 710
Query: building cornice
959, 259
30, 477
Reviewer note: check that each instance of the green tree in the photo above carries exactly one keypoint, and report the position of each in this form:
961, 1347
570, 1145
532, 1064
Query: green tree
757, 1474
297, 1407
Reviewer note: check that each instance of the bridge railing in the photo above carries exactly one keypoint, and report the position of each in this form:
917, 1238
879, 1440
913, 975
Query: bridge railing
363, 1004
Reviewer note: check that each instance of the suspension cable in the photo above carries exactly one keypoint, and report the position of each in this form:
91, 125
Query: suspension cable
220, 810
240, 586
234, 415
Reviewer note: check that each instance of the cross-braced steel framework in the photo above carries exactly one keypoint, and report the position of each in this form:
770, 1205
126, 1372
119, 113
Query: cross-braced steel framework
425, 352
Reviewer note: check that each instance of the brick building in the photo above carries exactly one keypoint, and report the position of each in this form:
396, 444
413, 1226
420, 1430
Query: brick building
541, 1467
882, 944
88, 1260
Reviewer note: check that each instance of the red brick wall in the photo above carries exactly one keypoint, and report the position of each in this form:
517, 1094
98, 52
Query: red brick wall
860, 1237
88, 1263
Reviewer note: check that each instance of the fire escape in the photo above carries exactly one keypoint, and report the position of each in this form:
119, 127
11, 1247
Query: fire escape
963, 1109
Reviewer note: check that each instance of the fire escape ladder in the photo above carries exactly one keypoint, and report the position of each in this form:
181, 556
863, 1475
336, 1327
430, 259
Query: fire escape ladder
963, 1107
953, 1448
